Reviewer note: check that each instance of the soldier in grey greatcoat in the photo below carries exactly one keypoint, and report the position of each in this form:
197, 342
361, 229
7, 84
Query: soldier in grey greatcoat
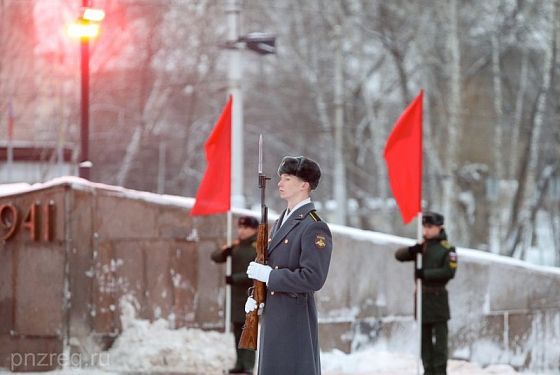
299, 253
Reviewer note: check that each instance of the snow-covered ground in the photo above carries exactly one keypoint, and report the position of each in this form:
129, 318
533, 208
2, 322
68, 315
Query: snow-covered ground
153, 347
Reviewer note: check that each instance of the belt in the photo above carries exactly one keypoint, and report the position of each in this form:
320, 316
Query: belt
289, 294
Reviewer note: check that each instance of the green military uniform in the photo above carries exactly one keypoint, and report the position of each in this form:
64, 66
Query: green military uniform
439, 263
241, 255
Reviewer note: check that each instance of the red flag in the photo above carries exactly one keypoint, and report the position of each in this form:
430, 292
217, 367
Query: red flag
403, 155
214, 192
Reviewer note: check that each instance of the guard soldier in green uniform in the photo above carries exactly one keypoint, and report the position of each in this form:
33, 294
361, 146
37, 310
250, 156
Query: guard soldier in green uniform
242, 252
439, 263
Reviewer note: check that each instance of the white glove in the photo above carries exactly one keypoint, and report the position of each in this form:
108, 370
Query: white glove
259, 271
251, 305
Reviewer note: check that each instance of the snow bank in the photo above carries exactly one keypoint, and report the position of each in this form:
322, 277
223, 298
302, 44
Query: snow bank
153, 347
378, 362
144, 346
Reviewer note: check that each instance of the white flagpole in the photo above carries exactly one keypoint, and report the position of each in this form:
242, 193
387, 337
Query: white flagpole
227, 323
419, 293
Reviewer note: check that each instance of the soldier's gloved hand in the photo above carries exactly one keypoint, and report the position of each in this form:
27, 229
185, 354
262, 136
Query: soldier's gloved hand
413, 250
419, 274
229, 280
226, 250
251, 305
259, 271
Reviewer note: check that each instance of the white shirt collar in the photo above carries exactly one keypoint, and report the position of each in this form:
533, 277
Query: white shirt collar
300, 204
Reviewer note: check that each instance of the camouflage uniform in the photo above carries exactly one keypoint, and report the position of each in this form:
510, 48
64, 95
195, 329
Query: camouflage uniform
439, 263
241, 255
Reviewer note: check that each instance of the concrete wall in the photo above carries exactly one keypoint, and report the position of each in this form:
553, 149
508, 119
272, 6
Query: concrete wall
503, 310
31, 277
107, 244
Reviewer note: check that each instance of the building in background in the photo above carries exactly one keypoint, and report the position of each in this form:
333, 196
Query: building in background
34, 162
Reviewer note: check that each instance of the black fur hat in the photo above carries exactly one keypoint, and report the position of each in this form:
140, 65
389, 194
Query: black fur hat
433, 218
306, 169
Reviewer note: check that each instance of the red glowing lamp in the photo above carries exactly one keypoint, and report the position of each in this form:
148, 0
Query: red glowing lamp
86, 28
87, 25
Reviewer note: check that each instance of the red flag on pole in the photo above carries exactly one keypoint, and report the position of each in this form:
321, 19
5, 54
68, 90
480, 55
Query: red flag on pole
214, 192
403, 155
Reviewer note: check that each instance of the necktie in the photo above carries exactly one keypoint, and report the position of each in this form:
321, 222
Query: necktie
285, 216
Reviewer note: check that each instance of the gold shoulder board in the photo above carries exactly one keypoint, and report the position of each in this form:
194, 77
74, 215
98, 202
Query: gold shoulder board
314, 216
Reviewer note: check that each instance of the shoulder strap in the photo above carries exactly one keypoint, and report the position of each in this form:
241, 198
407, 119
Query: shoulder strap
314, 215
447, 245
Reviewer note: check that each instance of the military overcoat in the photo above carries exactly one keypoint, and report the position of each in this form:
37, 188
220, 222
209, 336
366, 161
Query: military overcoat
299, 253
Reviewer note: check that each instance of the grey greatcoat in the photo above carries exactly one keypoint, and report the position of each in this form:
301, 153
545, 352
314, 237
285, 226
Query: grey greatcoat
299, 253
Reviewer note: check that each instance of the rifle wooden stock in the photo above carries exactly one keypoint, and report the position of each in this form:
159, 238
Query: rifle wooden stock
249, 335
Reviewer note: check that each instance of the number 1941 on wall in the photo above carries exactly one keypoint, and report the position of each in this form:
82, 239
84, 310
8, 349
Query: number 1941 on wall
38, 221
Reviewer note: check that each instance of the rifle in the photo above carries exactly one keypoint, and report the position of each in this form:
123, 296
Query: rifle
249, 335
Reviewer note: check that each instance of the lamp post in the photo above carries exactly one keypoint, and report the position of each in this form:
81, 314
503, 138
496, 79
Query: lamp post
263, 44
84, 166
86, 27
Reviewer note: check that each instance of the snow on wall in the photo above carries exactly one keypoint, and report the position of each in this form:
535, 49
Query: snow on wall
503, 310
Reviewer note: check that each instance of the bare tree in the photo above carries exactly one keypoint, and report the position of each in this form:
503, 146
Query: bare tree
176, 59
488, 71
533, 185
454, 124
17, 87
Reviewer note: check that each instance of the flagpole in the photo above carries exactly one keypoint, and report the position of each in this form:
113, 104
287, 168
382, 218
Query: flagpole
214, 192
10, 156
403, 154
228, 273
419, 293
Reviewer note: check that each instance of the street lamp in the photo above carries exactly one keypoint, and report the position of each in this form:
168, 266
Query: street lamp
262, 44
86, 27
